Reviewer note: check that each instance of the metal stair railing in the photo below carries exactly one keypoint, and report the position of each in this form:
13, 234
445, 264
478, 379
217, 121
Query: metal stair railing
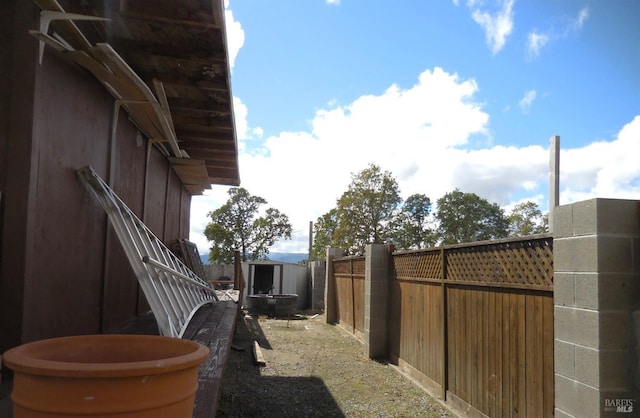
173, 291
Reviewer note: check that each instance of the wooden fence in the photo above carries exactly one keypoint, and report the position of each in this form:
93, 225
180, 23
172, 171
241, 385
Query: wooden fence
472, 322
349, 278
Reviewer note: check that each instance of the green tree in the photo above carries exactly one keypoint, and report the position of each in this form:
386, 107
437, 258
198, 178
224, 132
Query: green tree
526, 219
412, 229
366, 210
325, 231
364, 214
466, 217
237, 226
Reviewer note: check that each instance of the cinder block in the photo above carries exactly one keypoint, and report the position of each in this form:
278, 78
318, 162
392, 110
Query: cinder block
616, 370
586, 288
576, 325
615, 329
563, 289
575, 398
618, 291
585, 217
587, 363
578, 254
615, 254
564, 358
561, 414
563, 221
564, 324
618, 216
636, 255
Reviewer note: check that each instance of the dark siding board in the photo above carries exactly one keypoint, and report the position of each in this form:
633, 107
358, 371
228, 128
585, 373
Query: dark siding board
156, 193
7, 10
20, 70
173, 212
64, 256
121, 288
185, 212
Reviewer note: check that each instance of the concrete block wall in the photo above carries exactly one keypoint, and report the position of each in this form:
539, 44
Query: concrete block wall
597, 308
376, 297
318, 279
376, 300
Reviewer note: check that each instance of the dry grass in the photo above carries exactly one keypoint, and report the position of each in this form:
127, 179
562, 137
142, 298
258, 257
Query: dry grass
314, 370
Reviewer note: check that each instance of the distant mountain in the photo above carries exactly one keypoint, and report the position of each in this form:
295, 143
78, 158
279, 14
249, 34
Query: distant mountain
293, 258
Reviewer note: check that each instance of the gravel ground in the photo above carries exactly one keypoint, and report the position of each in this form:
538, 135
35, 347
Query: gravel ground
313, 370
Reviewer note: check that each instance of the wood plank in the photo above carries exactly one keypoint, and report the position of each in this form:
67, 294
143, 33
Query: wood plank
451, 321
513, 355
67, 28
521, 383
498, 344
219, 343
548, 383
474, 347
537, 381
258, 357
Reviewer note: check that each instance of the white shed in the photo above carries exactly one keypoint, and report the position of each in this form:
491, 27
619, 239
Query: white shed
276, 278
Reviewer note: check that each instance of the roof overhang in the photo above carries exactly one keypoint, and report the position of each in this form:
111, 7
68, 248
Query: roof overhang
166, 63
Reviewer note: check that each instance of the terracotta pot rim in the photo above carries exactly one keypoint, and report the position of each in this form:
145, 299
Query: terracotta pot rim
24, 358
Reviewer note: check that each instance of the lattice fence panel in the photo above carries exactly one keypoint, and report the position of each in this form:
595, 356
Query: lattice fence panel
358, 266
418, 265
522, 262
342, 267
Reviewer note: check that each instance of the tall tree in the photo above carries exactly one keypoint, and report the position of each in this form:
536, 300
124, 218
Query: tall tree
325, 231
364, 214
466, 217
526, 219
412, 229
237, 226
366, 210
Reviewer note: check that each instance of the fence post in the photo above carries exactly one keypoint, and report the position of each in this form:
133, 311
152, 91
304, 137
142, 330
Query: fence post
376, 300
330, 302
596, 250
318, 281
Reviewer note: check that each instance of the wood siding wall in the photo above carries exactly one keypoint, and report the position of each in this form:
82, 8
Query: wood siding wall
474, 323
63, 270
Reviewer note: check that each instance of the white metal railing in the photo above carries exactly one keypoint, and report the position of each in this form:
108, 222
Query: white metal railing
173, 291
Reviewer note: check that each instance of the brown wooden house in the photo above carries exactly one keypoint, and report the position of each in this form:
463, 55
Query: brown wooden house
140, 91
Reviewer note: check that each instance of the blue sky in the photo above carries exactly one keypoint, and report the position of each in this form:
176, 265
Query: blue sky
443, 94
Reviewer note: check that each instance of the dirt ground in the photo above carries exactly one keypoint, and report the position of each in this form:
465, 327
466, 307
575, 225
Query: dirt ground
313, 370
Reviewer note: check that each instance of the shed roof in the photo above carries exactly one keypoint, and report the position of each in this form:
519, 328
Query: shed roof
166, 62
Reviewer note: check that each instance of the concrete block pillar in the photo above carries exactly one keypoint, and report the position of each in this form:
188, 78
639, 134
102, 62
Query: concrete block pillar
596, 250
318, 280
376, 300
330, 301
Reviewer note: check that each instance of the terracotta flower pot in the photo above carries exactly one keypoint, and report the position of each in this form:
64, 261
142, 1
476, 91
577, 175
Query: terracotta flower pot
100, 375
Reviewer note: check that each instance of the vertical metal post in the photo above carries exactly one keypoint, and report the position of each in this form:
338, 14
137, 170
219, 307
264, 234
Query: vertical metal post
554, 177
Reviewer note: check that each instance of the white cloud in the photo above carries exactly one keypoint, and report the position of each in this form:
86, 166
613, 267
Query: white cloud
607, 169
581, 19
235, 35
413, 132
336, 2
497, 26
535, 42
421, 134
527, 101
